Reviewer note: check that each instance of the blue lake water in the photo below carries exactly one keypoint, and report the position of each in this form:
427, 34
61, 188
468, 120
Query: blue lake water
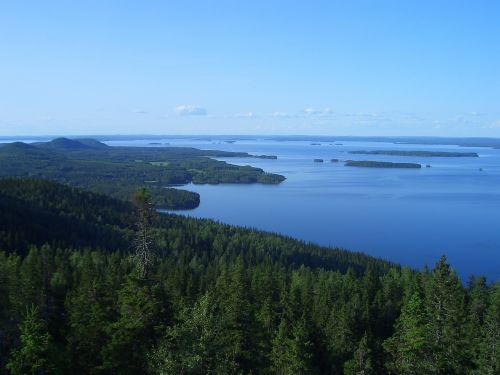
410, 216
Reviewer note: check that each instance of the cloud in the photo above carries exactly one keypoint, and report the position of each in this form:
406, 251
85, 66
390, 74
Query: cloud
496, 124
190, 110
244, 115
318, 112
311, 111
140, 111
280, 115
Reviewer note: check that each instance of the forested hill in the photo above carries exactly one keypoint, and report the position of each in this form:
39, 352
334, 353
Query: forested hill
118, 171
215, 299
35, 212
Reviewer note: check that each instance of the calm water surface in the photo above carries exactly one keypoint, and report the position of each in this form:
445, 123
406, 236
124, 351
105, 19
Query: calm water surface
404, 215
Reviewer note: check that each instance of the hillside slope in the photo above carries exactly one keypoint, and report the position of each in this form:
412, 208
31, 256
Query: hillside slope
218, 299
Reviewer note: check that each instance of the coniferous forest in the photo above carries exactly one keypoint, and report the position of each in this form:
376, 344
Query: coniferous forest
90, 284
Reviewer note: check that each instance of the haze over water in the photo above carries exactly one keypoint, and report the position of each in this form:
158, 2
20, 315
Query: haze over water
409, 216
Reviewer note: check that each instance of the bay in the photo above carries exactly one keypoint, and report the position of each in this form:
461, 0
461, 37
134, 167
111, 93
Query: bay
409, 216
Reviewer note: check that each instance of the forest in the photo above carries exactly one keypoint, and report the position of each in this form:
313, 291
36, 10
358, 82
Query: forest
380, 164
119, 171
90, 284
448, 154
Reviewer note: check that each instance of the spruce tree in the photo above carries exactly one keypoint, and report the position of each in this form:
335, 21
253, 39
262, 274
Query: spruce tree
361, 362
446, 319
488, 362
33, 356
408, 348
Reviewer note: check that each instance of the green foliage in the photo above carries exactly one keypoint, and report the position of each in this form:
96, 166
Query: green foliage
196, 344
32, 357
220, 299
409, 348
446, 319
416, 153
488, 361
292, 349
119, 171
380, 164
361, 363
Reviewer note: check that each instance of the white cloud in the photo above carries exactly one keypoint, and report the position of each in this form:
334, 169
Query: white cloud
496, 124
190, 110
140, 111
244, 115
311, 111
280, 115
318, 112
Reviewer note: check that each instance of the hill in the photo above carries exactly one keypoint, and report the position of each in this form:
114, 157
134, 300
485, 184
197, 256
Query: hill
217, 298
65, 144
118, 171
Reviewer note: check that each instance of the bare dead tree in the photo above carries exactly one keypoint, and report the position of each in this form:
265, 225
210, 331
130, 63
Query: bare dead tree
144, 243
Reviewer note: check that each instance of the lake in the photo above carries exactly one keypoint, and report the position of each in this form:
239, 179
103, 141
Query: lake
409, 216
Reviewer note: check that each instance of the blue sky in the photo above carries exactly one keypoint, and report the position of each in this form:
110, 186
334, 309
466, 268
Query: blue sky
250, 67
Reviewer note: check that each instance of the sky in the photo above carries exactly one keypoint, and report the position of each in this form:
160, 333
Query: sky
250, 67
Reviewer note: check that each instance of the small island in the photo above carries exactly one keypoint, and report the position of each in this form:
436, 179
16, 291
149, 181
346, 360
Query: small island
318, 160
380, 164
315, 144
417, 153
273, 157
334, 160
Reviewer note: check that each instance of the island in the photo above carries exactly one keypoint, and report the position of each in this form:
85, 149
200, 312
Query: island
272, 157
334, 160
380, 164
318, 160
417, 153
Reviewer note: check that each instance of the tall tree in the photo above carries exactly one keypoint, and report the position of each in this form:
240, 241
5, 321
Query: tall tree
408, 348
489, 356
142, 314
195, 345
361, 362
33, 356
144, 243
446, 319
292, 349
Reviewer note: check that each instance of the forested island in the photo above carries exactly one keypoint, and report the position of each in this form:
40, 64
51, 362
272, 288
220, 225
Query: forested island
90, 284
379, 164
118, 171
272, 157
417, 153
